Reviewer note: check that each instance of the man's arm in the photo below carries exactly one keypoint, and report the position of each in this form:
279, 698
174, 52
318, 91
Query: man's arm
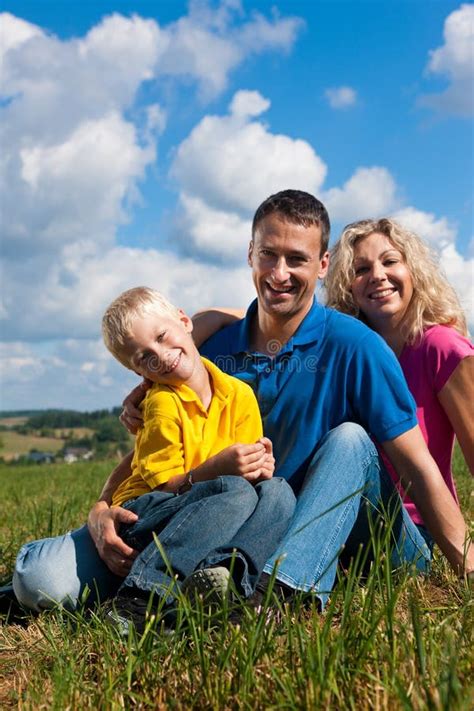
208, 321
103, 522
420, 475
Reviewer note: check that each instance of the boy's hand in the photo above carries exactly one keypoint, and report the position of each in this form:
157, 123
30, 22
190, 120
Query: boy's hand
268, 468
252, 461
103, 523
131, 417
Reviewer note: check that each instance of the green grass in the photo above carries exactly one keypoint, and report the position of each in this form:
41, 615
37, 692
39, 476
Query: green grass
394, 642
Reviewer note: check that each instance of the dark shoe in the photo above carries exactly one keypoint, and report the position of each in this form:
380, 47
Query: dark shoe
10, 607
212, 584
136, 609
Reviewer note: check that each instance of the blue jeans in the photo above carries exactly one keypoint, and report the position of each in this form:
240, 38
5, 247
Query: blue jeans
345, 486
224, 521
196, 529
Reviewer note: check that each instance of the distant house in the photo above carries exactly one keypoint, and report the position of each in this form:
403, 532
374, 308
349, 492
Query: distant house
76, 454
40, 457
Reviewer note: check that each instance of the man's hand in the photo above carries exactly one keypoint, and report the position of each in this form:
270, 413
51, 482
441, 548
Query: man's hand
131, 417
103, 523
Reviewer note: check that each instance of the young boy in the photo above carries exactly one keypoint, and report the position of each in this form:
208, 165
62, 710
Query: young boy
202, 471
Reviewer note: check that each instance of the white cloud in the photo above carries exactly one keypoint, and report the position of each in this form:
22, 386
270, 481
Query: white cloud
455, 61
369, 192
209, 43
75, 145
341, 97
437, 232
228, 165
14, 32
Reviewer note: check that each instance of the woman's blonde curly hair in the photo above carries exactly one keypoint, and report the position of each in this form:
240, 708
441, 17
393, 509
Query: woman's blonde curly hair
434, 300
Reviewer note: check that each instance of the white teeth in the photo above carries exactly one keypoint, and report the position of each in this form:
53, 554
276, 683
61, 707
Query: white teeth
382, 294
281, 291
174, 363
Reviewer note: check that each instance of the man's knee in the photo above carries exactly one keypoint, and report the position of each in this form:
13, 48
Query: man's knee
351, 436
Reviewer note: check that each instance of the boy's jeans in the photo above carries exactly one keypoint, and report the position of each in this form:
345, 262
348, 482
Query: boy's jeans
202, 526
222, 521
58, 569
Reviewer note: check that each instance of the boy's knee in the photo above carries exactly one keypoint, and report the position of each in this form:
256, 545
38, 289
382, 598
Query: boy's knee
40, 583
278, 494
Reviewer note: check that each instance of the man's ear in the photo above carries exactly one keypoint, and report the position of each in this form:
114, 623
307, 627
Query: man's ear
185, 320
323, 265
250, 253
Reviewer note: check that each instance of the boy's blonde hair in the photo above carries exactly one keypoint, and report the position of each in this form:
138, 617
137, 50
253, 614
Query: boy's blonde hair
119, 317
434, 300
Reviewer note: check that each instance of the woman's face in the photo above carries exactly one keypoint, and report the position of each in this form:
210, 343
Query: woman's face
382, 287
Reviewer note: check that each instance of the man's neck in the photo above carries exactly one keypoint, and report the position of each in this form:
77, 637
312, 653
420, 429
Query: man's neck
269, 333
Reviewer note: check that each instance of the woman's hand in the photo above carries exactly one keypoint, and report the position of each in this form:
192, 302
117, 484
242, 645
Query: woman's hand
131, 417
103, 523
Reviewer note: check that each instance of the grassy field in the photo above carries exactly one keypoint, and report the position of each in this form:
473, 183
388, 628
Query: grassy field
393, 642
15, 443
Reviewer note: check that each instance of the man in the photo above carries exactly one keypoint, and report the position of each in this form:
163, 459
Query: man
323, 381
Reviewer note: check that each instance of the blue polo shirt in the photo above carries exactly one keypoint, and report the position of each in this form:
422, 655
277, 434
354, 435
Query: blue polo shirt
333, 370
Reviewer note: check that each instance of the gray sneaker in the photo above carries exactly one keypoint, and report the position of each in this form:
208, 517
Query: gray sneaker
210, 583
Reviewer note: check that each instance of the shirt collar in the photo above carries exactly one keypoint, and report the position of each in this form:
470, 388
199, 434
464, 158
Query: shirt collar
310, 329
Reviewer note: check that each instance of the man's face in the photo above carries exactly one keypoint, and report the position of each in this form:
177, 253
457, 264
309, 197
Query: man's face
286, 264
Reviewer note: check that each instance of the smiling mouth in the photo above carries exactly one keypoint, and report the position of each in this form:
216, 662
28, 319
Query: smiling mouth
382, 294
174, 364
282, 290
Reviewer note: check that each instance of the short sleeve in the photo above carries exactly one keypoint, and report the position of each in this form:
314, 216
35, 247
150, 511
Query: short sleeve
159, 453
445, 349
249, 422
380, 396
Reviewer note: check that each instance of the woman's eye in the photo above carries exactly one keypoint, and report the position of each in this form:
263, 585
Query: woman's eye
360, 270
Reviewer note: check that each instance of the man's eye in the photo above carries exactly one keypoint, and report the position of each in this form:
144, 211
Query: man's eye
266, 253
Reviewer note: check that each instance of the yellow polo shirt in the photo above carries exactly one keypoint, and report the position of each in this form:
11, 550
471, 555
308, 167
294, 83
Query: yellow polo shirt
178, 434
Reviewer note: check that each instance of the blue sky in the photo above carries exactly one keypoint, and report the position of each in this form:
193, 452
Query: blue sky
138, 139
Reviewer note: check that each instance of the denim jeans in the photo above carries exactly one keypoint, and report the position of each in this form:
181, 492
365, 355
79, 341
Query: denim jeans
345, 487
224, 521
62, 569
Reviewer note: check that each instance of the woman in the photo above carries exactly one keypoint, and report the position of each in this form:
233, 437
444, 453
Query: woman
387, 277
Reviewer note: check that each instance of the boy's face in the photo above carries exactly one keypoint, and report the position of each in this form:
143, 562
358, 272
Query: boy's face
161, 348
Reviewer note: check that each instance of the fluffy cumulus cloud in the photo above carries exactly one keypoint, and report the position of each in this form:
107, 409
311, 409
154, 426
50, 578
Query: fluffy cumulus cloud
369, 192
454, 60
77, 140
227, 165
341, 97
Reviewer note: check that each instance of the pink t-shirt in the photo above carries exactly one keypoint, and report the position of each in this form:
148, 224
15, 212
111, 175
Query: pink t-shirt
427, 368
